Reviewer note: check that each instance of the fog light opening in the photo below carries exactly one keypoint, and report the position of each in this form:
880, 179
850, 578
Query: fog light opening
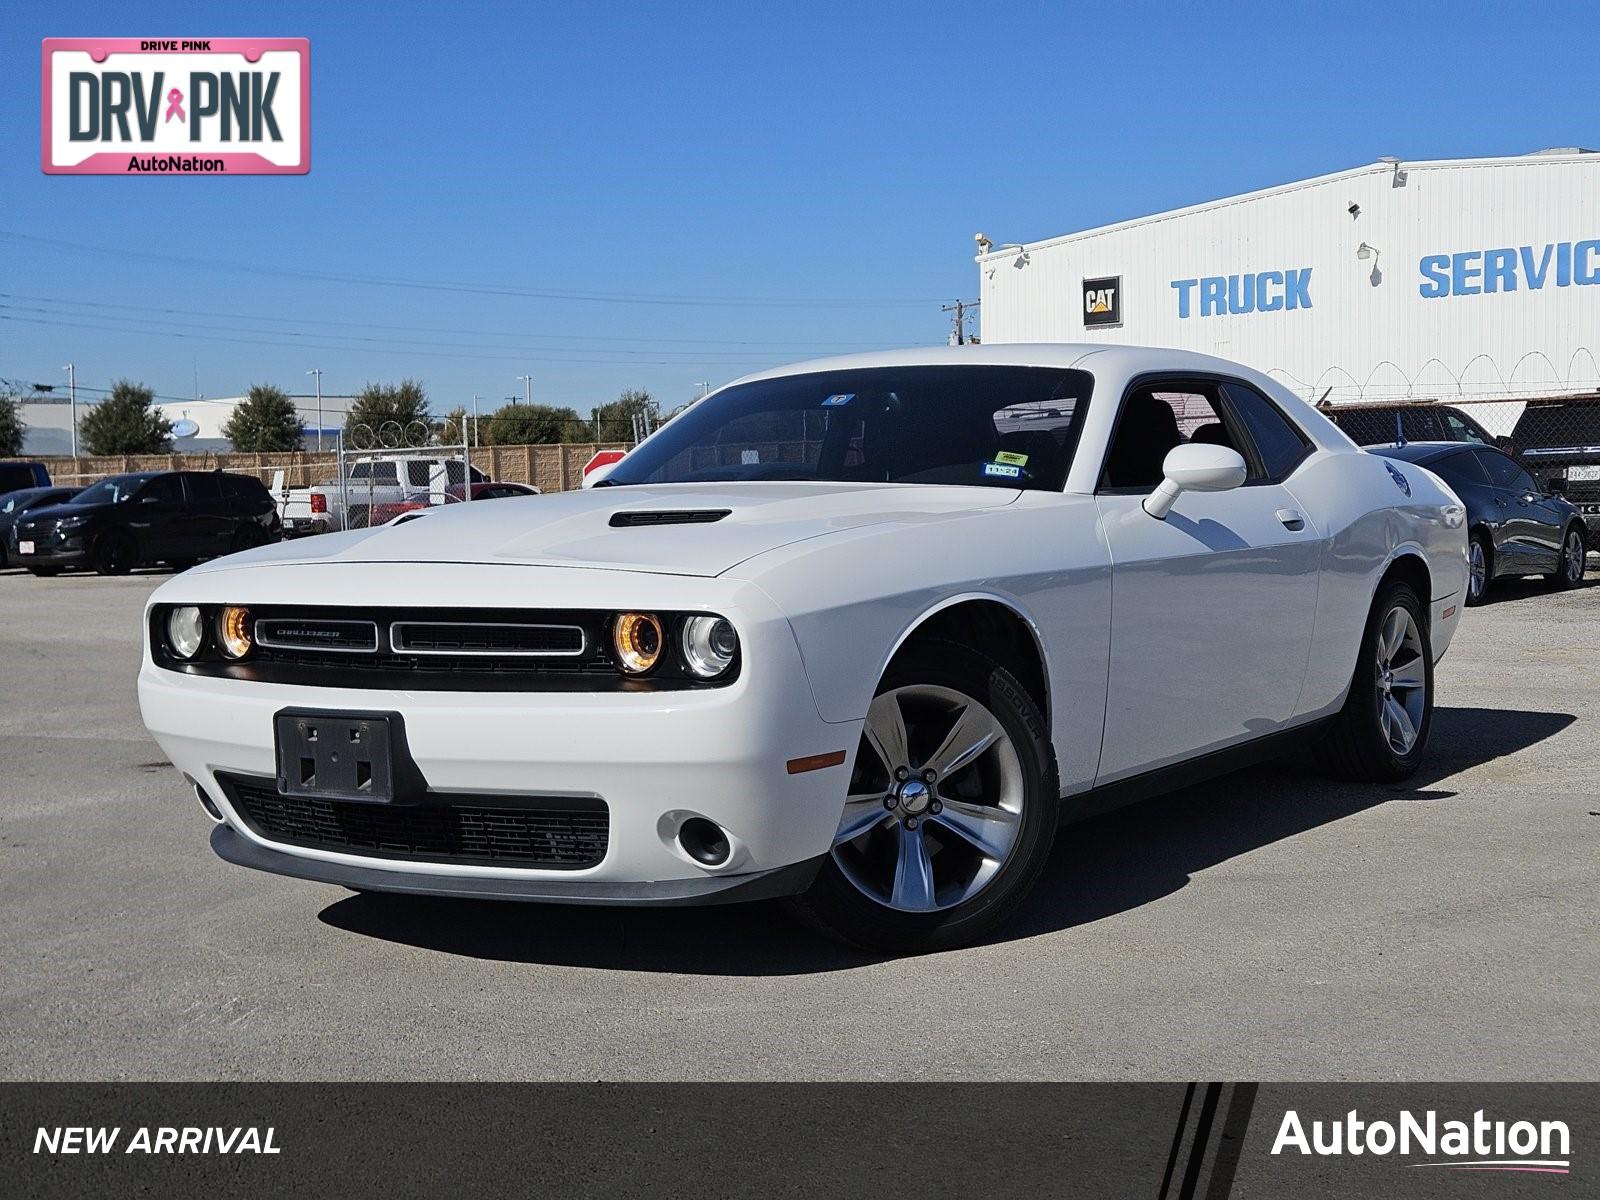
207, 803
704, 841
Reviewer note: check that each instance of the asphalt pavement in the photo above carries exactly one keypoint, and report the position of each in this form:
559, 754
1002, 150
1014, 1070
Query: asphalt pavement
1270, 925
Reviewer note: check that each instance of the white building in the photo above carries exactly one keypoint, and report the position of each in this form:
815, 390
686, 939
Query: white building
198, 424
208, 415
1422, 280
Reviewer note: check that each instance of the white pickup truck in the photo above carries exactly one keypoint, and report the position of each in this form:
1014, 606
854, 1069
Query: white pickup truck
373, 482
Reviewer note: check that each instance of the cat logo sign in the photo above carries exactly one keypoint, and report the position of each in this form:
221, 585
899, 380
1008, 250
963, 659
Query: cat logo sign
1102, 302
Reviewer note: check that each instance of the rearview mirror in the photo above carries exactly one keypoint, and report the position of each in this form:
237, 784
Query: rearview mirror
1194, 467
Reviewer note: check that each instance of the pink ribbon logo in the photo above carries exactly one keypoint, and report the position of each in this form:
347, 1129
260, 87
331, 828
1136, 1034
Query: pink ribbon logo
175, 106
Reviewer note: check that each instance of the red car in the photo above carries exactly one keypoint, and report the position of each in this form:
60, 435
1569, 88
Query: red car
382, 514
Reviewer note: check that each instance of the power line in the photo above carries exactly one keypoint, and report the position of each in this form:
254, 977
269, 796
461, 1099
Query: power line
467, 287
336, 341
413, 329
377, 349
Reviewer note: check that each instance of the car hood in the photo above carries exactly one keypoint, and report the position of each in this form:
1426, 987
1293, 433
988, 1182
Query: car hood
51, 513
592, 528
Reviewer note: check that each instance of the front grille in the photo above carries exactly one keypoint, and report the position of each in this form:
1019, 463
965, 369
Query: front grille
479, 638
461, 648
350, 637
564, 833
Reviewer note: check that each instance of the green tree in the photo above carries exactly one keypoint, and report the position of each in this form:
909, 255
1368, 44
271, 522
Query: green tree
267, 420
11, 426
530, 424
456, 426
126, 422
379, 403
613, 422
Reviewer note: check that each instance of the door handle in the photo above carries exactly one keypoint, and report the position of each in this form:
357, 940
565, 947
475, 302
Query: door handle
1292, 520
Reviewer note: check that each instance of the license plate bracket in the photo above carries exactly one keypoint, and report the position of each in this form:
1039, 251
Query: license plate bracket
358, 756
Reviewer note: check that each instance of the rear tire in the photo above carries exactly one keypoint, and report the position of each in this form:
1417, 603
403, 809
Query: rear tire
247, 537
115, 553
1480, 567
909, 880
1382, 731
1574, 559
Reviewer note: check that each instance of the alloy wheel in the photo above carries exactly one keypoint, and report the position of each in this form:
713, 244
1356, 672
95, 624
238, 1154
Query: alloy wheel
1402, 680
1478, 568
1574, 556
936, 801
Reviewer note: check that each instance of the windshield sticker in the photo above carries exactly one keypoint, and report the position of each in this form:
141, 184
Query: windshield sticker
1011, 457
1001, 471
839, 401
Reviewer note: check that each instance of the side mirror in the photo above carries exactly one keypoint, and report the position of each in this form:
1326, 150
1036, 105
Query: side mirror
1556, 486
1194, 467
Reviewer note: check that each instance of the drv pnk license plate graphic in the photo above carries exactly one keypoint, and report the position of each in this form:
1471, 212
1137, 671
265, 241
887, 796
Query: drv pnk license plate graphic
176, 106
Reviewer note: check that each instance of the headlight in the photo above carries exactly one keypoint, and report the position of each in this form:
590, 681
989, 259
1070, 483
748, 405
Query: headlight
73, 522
638, 641
185, 631
709, 644
233, 631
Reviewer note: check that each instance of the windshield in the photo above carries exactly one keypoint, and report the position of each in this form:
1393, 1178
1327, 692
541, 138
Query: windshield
110, 491
983, 426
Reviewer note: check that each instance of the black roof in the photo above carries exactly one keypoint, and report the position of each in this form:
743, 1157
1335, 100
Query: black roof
1423, 453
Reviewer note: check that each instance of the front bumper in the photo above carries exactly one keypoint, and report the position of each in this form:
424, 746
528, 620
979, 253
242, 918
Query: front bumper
720, 889
51, 555
655, 759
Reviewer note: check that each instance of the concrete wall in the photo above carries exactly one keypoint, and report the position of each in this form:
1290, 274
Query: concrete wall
552, 468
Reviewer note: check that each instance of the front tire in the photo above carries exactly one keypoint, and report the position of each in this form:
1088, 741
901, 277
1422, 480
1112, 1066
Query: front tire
1380, 734
115, 554
1574, 560
951, 811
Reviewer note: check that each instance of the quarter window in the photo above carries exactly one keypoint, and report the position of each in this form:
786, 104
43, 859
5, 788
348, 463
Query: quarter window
1463, 468
1278, 443
1505, 473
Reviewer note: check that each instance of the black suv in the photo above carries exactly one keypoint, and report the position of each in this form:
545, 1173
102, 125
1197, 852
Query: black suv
1559, 441
175, 517
1383, 424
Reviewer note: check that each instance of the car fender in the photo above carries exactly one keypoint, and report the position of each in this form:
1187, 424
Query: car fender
855, 596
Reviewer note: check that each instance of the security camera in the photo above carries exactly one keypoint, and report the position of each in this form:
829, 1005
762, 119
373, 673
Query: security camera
984, 244
1354, 210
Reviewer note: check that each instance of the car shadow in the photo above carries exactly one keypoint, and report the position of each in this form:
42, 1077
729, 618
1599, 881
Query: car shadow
1531, 587
1103, 866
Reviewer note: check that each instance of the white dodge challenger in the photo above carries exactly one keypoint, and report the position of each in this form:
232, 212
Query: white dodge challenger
861, 633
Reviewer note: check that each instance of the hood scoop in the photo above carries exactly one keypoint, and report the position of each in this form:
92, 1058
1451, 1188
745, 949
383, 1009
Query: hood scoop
677, 516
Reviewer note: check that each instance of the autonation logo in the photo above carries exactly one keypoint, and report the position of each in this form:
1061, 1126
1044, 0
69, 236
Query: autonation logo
1476, 1145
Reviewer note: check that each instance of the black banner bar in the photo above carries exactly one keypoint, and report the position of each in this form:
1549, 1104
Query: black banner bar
1155, 1141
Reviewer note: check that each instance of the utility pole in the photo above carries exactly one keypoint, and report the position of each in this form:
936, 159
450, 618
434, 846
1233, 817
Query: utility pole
317, 371
72, 386
527, 388
958, 320
476, 440
705, 388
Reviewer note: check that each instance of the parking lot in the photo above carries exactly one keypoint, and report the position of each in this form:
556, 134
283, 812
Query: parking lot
1269, 925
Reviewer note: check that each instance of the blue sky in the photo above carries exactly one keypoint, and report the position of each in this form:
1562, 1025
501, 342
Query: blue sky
779, 181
